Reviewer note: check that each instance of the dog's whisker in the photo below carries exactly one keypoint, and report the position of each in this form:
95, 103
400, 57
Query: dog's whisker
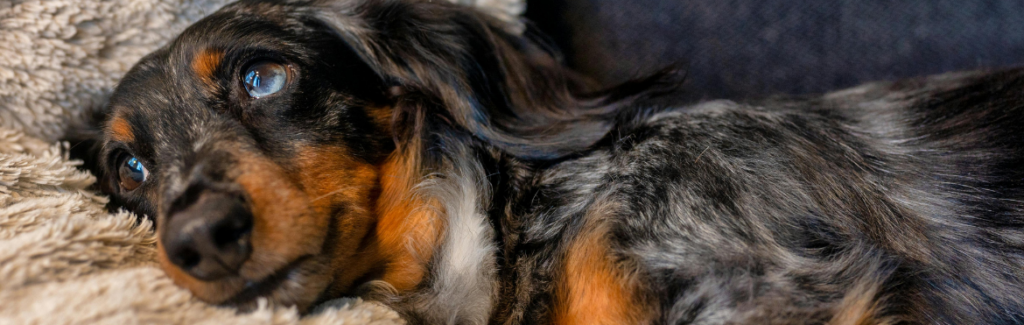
701, 154
329, 194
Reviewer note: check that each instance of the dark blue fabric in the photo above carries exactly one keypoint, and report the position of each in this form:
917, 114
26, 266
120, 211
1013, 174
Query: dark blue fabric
753, 48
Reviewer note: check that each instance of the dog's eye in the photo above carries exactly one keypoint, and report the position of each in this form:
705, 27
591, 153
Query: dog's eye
265, 78
132, 173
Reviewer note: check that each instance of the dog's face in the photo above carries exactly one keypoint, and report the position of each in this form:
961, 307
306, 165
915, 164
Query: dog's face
255, 140
278, 145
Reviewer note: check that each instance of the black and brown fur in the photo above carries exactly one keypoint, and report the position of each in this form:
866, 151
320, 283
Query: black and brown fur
424, 156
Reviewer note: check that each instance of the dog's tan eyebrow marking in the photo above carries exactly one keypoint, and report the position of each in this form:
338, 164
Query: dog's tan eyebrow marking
121, 130
205, 63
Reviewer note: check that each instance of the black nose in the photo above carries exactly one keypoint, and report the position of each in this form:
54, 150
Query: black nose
209, 236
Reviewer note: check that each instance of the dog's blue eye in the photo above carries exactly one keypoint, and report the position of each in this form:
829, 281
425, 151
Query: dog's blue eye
265, 78
132, 174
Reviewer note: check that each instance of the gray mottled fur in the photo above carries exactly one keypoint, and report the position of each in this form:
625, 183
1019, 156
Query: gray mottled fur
887, 203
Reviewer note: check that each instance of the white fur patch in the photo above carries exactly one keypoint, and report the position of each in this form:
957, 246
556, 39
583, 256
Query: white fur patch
463, 284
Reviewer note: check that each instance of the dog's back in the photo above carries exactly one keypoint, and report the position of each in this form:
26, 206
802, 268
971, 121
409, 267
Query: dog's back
880, 204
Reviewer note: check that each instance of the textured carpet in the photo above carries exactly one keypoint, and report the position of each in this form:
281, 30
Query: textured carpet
63, 258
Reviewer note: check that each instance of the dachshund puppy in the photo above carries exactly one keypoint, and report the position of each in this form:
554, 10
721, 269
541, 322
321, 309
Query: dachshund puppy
420, 154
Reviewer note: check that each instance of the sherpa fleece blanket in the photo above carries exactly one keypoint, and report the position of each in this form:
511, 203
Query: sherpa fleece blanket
63, 258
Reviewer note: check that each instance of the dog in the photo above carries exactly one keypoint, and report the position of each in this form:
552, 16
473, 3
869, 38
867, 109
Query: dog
427, 156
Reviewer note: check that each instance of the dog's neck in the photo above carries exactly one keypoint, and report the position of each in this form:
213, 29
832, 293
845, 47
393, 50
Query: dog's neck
433, 249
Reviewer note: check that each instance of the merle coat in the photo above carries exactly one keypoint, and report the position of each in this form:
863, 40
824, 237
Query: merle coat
432, 158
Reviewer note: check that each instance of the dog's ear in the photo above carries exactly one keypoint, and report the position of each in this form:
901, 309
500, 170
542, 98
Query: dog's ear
471, 70
85, 139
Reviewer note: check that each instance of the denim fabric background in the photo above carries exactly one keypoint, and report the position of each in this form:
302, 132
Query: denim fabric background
753, 48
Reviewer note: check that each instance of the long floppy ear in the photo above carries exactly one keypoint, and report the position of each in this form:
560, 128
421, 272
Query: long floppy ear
85, 137
467, 68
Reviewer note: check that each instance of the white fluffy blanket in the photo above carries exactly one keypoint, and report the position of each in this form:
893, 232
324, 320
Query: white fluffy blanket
63, 258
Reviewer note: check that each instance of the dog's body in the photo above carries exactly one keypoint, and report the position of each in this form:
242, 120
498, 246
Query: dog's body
884, 203
421, 155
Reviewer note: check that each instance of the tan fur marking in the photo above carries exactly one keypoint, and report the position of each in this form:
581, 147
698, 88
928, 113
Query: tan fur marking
205, 64
285, 225
332, 177
593, 288
121, 130
860, 307
409, 227
381, 116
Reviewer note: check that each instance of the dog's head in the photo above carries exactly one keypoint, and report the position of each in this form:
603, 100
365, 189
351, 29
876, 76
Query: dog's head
277, 144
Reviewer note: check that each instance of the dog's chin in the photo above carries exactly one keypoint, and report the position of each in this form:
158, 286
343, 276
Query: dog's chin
299, 283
